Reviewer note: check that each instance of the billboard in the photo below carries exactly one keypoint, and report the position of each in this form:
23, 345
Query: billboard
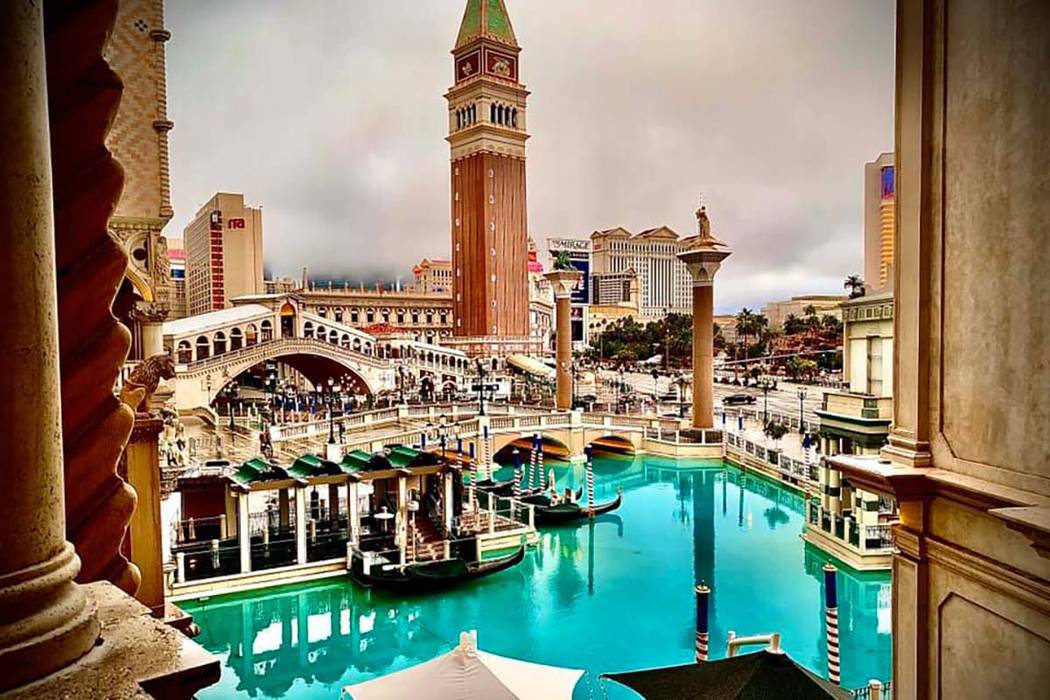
579, 252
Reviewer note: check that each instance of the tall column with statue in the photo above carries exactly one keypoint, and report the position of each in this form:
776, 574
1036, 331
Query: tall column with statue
563, 279
703, 258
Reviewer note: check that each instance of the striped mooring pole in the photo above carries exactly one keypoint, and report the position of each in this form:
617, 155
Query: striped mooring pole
703, 597
590, 482
831, 619
532, 461
459, 445
539, 465
517, 475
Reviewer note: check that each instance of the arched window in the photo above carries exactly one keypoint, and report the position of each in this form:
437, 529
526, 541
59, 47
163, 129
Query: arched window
251, 335
357, 344
355, 316
344, 342
219, 343
514, 117
323, 312
320, 333
308, 329
492, 112
184, 354
459, 119
236, 339
203, 348
267, 330
333, 337
338, 315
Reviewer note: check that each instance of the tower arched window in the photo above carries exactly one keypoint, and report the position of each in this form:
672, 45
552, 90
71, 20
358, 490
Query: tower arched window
514, 118
492, 112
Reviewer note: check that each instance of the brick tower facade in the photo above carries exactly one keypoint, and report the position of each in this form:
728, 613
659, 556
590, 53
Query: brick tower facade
487, 106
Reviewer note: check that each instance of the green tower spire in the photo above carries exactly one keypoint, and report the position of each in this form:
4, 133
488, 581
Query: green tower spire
486, 18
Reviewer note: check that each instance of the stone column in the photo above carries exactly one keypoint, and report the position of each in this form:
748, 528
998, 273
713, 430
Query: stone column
333, 503
352, 512
141, 468
563, 282
244, 532
703, 258
45, 619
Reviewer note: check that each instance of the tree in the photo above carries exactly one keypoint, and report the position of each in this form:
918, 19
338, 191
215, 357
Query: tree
563, 262
745, 328
793, 324
775, 430
855, 285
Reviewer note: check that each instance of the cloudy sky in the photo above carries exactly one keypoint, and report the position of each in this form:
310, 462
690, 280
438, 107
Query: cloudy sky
330, 114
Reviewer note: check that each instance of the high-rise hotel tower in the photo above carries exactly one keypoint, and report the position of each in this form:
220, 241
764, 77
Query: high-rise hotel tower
486, 112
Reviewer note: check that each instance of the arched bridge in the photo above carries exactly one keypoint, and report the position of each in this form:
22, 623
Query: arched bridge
212, 349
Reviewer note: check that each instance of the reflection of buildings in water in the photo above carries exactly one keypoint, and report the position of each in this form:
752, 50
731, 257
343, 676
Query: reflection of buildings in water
312, 635
864, 599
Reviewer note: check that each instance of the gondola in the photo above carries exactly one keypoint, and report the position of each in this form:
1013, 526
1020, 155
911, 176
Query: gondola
424, 577
546, 514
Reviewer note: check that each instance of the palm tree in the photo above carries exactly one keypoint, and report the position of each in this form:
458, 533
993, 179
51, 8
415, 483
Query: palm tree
745, 327
855, 285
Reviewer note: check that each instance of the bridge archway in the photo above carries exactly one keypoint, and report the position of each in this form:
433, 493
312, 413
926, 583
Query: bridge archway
504, 446
317, 369
612, 444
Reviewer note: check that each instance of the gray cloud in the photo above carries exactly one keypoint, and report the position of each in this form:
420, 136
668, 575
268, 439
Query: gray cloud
330, 115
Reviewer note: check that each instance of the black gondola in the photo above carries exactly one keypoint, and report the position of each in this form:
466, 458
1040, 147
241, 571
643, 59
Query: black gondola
424, 577
547, 514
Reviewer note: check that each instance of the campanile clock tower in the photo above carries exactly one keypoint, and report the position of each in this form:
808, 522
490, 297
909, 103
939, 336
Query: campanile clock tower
486, 110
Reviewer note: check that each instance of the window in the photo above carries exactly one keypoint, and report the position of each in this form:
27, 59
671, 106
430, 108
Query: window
874, 366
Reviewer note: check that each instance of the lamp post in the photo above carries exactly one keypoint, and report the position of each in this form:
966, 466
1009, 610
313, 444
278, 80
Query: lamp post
401, 385
575, 371
333, 388
681, 396
230, 392
801, 411
667, 340
271, 387
766, 385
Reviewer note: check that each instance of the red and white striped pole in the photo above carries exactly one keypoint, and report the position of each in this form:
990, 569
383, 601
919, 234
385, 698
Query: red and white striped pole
590, 482
703, 596
831, 619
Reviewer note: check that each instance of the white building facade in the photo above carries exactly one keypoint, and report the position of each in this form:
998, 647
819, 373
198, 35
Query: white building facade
663, 279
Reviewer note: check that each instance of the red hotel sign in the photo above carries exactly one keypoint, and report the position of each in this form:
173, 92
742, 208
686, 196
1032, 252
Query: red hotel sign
235, 223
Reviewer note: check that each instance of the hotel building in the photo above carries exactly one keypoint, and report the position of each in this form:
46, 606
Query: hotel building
663, 279
224, 253
433, 276
879, 226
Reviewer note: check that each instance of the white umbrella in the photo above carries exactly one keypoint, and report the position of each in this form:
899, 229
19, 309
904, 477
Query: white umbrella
465, 673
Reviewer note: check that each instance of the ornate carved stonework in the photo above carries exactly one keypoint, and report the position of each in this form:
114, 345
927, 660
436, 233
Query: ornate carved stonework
83, 94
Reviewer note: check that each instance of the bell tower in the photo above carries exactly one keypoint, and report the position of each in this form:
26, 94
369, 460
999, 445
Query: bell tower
486, 112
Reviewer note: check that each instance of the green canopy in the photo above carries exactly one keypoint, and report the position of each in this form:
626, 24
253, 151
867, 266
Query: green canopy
310, 465
401, 456
355, 461
257, 470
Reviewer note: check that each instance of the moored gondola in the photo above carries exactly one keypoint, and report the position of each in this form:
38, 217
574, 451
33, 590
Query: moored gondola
424, 577
565, 512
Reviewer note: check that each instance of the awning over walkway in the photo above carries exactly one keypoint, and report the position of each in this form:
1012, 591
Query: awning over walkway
311, 465
532, 366
465, 673
258, 470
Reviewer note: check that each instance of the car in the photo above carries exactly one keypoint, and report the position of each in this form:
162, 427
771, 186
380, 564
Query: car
738, 399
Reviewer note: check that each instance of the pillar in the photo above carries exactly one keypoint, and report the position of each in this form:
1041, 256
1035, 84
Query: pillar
283, 519
562, 282
703, 258
333, 503
402, 517
831, 621
703, 597
46, 621
353, 512
300, 524
244, 530
141, 469
449, 498
703, 357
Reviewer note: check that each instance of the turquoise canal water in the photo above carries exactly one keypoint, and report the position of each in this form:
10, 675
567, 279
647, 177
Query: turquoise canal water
610, 596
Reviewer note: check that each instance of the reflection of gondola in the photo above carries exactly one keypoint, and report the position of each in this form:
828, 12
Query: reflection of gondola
423, 577
547, 514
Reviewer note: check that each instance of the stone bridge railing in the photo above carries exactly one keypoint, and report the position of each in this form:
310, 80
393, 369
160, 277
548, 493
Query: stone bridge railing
265, 350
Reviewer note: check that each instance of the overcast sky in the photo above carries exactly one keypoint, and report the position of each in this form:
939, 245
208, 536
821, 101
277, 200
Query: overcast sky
330, 114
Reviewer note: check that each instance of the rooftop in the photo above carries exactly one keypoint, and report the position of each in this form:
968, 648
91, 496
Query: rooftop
215, 319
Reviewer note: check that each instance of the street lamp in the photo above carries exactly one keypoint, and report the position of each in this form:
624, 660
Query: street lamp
575, 372
401, 384
271, 387
766, 385
230, 392
681, 396
333, 387
801, 411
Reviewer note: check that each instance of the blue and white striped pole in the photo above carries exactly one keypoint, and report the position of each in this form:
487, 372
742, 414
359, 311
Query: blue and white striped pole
703, 597
459, 445
488, 453
532, 460
518, 474
831, 620
590, 482
539, 464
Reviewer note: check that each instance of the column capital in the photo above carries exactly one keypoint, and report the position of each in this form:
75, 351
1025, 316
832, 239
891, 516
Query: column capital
563, 282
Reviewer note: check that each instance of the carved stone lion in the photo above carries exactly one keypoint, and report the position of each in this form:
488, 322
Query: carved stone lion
141, 384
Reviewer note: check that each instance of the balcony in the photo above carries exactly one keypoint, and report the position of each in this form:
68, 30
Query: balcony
853, 405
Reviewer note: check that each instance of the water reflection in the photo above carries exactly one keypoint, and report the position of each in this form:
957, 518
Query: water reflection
611, 595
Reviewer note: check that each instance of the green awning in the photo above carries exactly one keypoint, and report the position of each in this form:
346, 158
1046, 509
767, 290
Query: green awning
257, 470
310, 465
401, 456
355, 461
